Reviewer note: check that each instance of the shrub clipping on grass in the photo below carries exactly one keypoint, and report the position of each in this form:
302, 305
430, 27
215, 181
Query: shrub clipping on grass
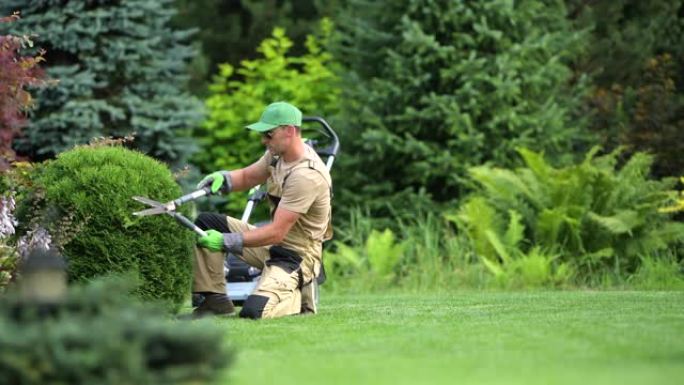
83, 200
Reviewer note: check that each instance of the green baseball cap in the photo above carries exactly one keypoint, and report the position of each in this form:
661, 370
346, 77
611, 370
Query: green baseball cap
277, 114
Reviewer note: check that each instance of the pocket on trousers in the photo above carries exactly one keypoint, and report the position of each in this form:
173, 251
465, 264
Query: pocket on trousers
286, 259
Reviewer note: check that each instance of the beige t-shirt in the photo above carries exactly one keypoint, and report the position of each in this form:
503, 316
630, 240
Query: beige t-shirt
303, 186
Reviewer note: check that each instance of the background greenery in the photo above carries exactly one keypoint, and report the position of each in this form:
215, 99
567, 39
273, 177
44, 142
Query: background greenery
434, 101
120, 69
436, 87
491, 151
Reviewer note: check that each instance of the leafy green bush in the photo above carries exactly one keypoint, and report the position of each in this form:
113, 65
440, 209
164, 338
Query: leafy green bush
84, 200
241, 25
236, 101
99, 335
635, 58
588, 219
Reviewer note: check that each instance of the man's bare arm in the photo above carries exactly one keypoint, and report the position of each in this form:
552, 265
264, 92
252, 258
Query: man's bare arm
272, 233
248, 177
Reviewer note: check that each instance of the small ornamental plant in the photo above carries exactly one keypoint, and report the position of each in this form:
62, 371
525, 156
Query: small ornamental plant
17, 72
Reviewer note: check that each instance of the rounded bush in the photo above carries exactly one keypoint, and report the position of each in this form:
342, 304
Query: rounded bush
87, 208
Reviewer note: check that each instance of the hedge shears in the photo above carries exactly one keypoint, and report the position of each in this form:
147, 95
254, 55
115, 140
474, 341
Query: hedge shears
170, 208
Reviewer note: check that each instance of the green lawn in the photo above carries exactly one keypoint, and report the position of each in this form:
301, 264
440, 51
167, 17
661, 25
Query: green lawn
468, 337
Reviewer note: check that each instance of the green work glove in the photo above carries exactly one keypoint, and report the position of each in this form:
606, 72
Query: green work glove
216, 241
212, 241
220, 181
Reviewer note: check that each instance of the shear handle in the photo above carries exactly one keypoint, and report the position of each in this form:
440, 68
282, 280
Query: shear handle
188, 223
192, 196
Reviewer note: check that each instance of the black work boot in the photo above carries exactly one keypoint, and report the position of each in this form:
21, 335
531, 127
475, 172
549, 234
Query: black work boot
214, 304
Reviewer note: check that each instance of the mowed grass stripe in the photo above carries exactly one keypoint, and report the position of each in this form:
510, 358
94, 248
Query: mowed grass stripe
468, 337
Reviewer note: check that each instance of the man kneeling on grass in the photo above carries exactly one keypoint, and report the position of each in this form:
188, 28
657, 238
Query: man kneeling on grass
287, 250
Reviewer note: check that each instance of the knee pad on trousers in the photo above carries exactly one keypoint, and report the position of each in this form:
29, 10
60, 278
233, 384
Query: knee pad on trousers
254, 306
206, 221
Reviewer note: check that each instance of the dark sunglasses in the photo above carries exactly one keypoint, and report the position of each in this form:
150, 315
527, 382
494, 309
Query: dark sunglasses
269, 134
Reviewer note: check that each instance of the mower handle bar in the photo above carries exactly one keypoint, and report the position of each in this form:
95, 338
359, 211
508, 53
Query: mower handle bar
332, 149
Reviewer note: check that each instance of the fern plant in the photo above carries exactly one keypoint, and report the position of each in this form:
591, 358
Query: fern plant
376, 262
595, 217
383, 253
678, 198
498, 240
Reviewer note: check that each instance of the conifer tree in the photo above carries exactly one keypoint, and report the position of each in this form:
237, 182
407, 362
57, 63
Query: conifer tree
436, 86
120, 69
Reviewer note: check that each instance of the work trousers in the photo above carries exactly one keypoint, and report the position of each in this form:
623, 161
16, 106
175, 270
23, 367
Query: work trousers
279, 291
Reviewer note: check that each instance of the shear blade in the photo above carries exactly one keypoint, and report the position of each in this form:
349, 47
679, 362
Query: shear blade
147, 201
152, 211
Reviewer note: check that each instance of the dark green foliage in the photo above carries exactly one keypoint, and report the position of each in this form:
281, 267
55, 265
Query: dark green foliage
592, 218
120, 69
647, 115
636, 61
625, 34
99, 335
437, 86
87, 208
229, 31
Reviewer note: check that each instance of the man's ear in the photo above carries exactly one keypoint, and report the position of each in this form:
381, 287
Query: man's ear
291, 130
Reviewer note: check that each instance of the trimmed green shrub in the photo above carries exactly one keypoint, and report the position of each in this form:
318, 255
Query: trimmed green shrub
84, 200
593, 218
99, 335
